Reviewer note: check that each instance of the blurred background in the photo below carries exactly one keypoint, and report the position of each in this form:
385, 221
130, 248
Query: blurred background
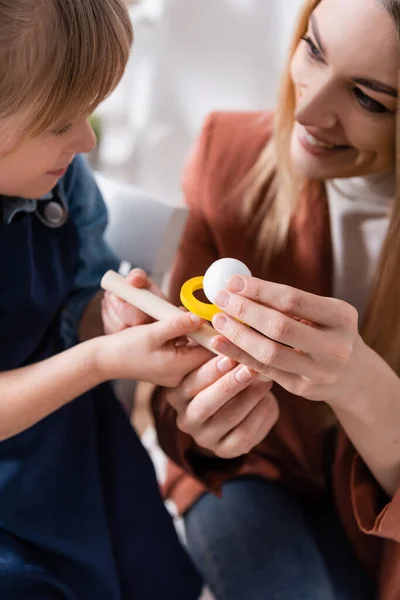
190, 57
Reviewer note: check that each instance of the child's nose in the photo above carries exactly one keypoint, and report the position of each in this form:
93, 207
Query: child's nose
85, 140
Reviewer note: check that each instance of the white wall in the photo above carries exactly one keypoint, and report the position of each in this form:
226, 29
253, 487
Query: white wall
191, 57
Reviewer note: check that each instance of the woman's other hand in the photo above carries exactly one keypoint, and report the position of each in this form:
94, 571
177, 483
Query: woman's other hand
308, 344
224, 407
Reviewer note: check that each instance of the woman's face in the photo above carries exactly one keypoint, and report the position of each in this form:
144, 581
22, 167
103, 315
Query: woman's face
346, 73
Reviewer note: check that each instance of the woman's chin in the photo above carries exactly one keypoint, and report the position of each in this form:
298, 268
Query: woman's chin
345, 163
309, 169
304, 164
320, 168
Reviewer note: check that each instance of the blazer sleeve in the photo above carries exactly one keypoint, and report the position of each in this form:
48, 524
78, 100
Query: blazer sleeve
375, 513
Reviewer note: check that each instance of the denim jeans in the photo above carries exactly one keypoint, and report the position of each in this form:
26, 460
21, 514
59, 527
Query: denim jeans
260, 542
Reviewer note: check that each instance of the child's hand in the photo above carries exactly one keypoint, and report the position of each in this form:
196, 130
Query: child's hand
117, 315
150, 352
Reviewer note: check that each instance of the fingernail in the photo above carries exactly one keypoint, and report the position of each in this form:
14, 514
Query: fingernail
243, 375
220, 322
236, 284
195, 319
264, 378
222, 299
225, 364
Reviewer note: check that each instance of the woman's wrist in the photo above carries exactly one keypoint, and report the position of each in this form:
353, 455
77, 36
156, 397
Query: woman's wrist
374, 378
371, 420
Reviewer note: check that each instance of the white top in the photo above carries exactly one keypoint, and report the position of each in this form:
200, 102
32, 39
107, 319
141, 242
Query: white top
359, 210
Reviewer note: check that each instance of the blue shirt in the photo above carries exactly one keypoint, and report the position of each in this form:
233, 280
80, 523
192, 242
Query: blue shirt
88, 210
80, 511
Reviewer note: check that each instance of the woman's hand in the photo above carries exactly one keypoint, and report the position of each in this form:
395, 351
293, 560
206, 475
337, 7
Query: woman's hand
308, 344
224, 407
117, 315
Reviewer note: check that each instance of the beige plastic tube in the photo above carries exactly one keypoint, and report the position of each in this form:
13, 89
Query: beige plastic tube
157, 308
152, 305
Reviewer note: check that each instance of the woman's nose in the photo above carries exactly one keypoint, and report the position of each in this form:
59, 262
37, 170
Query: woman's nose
317, 107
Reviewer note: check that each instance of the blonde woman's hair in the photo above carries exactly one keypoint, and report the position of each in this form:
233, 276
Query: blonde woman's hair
272, 175
60, 58
274, 180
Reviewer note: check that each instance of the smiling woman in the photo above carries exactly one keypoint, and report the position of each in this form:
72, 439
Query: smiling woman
358, 136
307, 198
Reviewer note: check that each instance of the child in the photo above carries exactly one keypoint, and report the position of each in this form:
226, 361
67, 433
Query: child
80, 514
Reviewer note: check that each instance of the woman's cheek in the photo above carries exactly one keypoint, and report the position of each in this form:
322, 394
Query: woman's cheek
376, 137
300, 66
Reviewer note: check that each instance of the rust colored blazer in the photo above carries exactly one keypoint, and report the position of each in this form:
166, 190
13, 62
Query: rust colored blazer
301, 452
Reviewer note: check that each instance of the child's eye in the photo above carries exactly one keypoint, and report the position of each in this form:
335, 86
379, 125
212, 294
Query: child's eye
313, 51
370, 104
62, 130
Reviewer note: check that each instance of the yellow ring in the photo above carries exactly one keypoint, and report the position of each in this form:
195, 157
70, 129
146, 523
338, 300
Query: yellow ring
190, 302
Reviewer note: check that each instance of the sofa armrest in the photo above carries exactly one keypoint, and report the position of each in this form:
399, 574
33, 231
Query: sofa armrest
142, 229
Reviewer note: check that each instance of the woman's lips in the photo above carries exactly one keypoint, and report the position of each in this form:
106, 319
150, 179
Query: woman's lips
317, 147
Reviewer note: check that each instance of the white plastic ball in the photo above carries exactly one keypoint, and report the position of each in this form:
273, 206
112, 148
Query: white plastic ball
219, 273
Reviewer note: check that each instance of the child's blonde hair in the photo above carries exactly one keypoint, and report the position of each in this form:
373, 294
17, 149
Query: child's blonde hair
60, 58
274, 179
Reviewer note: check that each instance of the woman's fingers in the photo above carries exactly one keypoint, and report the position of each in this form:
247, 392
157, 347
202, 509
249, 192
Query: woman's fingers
230, 416
220, 405
273, 324
206, 404
327, 312
201, 379
256, 351
251, 431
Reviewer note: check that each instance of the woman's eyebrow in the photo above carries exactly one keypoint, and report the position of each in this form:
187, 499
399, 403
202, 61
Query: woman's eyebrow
372, 84
377, 86
316, 33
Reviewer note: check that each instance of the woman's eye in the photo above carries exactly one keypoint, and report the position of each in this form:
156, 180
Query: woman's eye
369, 104
313, 51
62, 130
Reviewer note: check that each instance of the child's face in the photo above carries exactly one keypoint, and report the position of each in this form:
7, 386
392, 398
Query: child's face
36, 165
